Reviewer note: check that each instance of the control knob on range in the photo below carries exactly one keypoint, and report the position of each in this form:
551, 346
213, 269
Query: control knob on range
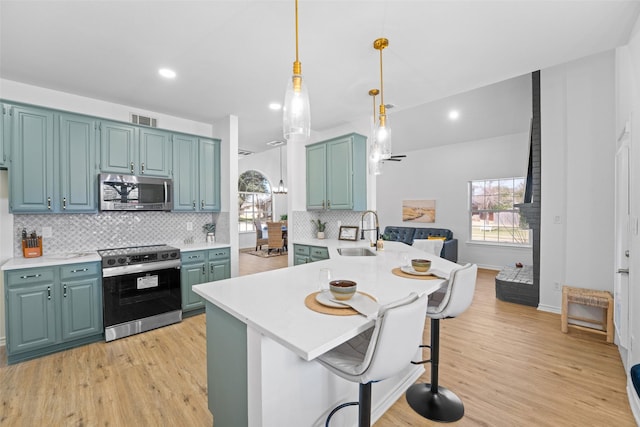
111, 261
122, 260
165, 256
174, 254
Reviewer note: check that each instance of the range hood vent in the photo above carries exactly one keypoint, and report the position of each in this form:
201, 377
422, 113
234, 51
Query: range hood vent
143, 120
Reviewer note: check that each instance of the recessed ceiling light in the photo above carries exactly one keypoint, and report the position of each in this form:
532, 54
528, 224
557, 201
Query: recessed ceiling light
275, 143
454, 115
167, 73
275, 106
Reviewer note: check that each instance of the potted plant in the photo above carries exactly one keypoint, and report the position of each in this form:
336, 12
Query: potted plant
210, 229
320, 226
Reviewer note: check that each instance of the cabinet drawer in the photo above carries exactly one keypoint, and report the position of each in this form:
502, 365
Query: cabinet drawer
319, 252
220, 253
28, 276
79, 270
194, 256
301, 250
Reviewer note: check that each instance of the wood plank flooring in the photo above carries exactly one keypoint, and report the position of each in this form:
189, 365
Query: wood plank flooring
510, 364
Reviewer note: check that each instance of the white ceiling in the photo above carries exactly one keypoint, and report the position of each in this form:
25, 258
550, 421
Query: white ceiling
234, 57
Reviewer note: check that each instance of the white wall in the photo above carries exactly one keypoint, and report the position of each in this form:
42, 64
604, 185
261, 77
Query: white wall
442, 174
578, 149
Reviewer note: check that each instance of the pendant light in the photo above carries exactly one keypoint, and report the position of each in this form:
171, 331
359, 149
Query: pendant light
383, 131
296, 119
281, 188
374, 149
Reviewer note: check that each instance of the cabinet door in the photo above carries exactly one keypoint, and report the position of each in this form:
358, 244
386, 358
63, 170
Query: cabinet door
192, 274
31, 173
30, 317
339, 174
316, 176
5, 136
300, 259
209, 169
118, 144
81, 308
219, 270
155, 153
78, 174
185, 173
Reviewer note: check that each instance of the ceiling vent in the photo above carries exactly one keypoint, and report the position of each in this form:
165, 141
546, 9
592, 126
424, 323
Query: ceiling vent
143, 120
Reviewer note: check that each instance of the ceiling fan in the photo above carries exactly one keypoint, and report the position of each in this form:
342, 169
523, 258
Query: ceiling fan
397, 158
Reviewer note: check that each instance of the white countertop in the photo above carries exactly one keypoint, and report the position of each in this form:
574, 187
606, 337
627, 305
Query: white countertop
273, 302
48, 260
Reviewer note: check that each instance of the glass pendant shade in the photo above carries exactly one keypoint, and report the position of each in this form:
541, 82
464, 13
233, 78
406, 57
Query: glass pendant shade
281, 189
296, 119
383, 138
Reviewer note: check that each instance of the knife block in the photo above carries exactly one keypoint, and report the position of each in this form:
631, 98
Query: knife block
32, 252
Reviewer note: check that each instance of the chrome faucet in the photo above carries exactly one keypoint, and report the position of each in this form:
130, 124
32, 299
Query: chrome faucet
377, 229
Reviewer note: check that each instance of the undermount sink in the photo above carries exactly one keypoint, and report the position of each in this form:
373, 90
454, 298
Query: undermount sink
355, 252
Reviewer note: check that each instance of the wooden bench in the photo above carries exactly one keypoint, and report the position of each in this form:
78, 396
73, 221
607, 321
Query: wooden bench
591, 298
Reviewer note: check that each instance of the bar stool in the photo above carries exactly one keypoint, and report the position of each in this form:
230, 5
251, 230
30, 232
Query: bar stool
432, 401
380, 352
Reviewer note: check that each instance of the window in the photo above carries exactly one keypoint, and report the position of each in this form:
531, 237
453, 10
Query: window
494, 218
254, 200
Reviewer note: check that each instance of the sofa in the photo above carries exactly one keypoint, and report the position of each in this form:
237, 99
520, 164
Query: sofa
407, 235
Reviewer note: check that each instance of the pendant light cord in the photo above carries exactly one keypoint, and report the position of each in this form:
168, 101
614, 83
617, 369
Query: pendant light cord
381, 86
297, 60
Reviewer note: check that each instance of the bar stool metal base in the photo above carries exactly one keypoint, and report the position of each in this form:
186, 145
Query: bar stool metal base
442, 405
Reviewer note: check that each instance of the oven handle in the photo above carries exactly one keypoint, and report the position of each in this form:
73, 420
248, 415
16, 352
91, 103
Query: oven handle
140, 268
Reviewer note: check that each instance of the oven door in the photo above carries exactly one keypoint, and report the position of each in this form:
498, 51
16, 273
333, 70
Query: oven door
138, 291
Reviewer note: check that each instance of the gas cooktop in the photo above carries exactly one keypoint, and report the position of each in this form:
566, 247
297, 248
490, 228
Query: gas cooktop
116, 257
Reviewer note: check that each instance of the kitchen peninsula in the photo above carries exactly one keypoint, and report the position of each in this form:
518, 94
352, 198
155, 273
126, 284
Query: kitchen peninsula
262, 340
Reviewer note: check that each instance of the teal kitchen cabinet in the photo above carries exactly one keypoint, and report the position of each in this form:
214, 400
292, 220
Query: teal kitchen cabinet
5, 137
31, 173
196, 174
127, 149
201, 267
52, 308
78, 164
53, 167
337, 174
304, 254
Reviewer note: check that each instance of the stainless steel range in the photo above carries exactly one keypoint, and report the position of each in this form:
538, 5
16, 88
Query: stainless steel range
141, 289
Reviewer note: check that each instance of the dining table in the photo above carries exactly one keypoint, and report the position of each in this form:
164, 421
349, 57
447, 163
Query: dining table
264, 332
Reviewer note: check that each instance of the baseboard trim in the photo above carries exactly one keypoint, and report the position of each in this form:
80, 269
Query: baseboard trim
549, 308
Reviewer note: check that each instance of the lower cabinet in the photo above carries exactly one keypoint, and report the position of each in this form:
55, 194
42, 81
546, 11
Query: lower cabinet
52, 308
201, 267
303, 254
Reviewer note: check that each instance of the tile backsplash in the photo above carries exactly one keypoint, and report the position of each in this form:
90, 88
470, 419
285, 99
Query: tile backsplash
88, 232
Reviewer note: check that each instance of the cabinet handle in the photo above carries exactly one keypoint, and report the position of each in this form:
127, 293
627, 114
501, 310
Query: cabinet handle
64, 288
30, 276
142, 168
202, 204
131, 167
80, 270
64, 203
193, 256
48, 292
211, 268
203, 270
328, 204
194, 205
323, 204
49, 203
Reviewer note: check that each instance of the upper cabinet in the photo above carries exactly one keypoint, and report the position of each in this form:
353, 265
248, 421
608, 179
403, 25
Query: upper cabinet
53, 167
31, 174
196, 174
138, 151
5, 136
78, 167
337, 174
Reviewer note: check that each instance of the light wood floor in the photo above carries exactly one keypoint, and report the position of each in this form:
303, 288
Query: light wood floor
510, 364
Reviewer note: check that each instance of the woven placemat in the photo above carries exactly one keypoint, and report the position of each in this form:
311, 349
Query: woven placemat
312, 304
401, 273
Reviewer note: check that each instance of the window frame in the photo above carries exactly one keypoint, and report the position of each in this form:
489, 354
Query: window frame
520, 237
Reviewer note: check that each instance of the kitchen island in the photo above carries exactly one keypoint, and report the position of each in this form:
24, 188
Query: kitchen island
262, 340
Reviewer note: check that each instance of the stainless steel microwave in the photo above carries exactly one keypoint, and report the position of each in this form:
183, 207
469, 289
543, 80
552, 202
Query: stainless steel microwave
135, 193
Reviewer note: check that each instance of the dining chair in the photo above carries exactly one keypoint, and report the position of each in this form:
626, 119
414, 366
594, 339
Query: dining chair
433, 401
378, 353
260, 240
276, 240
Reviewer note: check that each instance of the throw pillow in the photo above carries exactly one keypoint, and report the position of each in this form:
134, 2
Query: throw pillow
436, 238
